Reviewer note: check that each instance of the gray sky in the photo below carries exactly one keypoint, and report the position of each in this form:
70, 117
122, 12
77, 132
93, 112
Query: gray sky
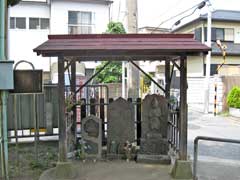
153, 12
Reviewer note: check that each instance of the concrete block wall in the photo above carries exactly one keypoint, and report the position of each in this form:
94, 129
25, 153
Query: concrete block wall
196, 88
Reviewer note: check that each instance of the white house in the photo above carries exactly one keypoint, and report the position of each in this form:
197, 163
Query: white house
31, 21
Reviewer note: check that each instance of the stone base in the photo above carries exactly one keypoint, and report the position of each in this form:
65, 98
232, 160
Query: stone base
63, 171
153, 159
182, 170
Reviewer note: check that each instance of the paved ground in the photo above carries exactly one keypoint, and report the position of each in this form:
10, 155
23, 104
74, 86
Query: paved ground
217, 161
119, 170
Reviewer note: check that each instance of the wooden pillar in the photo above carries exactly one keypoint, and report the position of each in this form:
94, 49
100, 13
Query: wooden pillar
73, 90
183, 108
62, 121
167, 79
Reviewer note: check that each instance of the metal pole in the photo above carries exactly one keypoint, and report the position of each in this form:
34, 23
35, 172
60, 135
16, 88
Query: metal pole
92, 77
16, 129
195, 156
4, 94
207, 139
208, 61
35, 127
1, 141
215, 98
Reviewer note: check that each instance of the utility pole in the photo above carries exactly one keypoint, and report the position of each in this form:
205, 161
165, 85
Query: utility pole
3, 95
208, 61
133, 80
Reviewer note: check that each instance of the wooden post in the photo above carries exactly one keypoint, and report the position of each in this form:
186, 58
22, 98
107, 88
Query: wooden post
62, 121
73, 90
167, 79
183, 108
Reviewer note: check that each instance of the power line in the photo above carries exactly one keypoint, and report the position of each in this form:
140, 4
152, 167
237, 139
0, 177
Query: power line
197, 5
168, 9
179, 21
119, 10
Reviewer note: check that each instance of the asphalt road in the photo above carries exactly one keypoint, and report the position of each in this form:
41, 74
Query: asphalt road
217, 160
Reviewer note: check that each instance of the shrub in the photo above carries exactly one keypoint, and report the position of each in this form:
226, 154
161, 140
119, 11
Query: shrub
233, 98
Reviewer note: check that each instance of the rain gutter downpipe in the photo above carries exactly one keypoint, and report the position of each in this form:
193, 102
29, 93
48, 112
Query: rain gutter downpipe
3, 94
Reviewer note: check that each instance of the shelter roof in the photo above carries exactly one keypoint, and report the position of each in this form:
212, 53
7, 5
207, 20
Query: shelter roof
99, 47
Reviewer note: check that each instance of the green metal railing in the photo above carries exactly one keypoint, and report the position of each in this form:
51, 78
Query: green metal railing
3, 95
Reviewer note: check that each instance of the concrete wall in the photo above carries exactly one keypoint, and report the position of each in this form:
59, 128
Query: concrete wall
59, 15
195, 66
195, 93
23, 41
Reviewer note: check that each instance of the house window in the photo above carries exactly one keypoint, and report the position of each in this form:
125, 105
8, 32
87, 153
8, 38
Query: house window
17, 23
219, 34
229, 34
38, 23
198, 34
223, 34
80, 22
213, 69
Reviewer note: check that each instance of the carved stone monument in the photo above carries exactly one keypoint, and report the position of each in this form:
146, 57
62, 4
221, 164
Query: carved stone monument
120, 126
154, 143
92, 136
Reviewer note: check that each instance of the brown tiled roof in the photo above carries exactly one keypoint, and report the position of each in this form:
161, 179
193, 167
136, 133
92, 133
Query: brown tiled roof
122, 47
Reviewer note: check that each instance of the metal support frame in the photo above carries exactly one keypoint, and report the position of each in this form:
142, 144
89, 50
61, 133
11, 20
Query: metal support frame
148, 76
93, 76
176, 65
171, 75
207, 139
100, 85
183, 108
69, 63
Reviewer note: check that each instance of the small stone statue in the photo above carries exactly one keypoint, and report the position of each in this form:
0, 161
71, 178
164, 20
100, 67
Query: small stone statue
128, 150
155, 120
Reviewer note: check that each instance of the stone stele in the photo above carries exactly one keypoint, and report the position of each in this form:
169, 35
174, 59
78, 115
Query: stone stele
120, 125
154, 144
92, 136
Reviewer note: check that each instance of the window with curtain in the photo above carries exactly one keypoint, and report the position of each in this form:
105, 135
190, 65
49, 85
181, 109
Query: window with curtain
38, 23
17, 23
80, 22
223, 34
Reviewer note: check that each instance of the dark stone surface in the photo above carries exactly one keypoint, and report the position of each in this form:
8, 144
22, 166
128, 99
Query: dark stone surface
91, 147
154, 146
92, 136
91, 128
120, 125
154, 142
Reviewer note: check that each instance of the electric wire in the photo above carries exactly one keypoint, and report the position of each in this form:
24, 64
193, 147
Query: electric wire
183, 12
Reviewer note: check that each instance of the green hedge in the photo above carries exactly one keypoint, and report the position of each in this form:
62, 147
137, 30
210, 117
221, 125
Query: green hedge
233, 98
